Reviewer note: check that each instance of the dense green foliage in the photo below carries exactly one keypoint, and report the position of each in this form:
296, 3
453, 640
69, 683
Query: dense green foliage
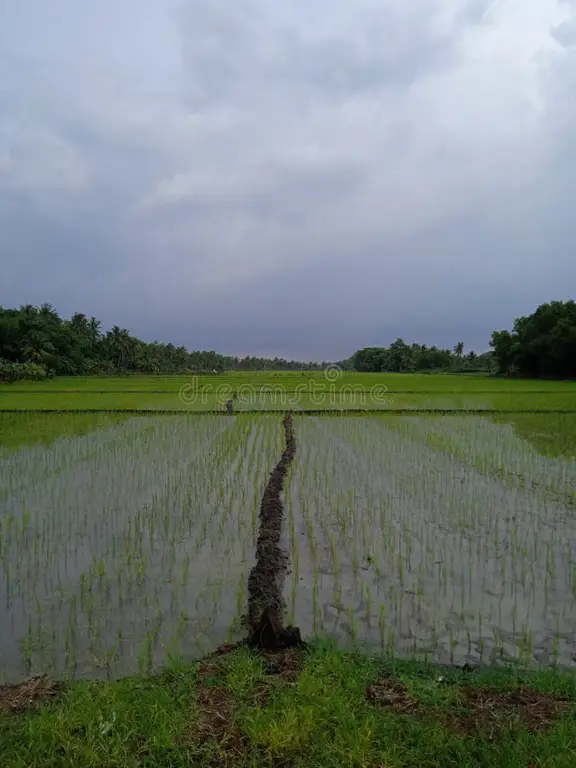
10, 372
541, 345
36, 342
78, 346
400, 357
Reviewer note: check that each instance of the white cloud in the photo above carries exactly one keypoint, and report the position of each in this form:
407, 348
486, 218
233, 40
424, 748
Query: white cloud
388, 147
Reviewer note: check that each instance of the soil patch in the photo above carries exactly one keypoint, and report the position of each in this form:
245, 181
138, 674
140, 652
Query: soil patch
392, 693
491, 711
285, 664
481, 711
22, 696
213, 726
282, 668
216, 714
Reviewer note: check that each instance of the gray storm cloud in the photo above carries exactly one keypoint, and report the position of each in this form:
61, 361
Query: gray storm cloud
295, 179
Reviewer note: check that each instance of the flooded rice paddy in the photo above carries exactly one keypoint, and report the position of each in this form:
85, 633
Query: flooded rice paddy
446, 536
130, 544
125, 542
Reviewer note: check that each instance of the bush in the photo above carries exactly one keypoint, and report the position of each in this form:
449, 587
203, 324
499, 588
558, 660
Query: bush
11, 372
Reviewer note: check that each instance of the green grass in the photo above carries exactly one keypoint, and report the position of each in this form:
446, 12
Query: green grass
398, 382
20, 429
228, 711
39, 400
552, 434
279, 391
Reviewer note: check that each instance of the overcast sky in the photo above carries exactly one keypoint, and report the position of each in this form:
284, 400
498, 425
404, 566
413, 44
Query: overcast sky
289, 178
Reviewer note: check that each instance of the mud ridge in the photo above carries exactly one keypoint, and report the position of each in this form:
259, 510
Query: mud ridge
265, 604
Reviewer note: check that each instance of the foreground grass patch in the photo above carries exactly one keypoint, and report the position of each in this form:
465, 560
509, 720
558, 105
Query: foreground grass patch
321, 707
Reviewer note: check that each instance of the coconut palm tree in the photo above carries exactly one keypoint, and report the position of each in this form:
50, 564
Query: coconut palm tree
120, 346
459, 352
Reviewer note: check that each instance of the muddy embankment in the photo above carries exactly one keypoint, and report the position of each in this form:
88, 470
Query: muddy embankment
265, 604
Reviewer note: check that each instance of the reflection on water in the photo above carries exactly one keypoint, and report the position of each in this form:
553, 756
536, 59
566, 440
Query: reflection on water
125, 540
447, 536
130, 544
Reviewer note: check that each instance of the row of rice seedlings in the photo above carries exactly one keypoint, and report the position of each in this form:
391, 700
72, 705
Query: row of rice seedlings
153, 565
494, 448
411, 547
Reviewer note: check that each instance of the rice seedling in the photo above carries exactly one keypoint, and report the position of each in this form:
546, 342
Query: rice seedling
456, 530
115, 532
126, 541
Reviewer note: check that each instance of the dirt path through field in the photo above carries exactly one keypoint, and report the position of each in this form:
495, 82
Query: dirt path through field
265, 603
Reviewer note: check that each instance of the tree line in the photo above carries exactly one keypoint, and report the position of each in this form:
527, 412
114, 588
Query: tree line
35, 342
401, 357
540, 345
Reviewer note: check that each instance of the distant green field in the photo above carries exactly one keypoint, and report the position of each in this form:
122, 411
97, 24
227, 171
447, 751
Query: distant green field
397, 382
330, 390
172, 402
